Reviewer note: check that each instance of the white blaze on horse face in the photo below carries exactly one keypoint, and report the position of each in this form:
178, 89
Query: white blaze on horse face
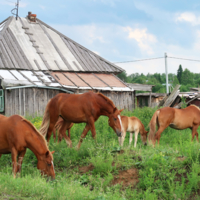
53, 166
120, 123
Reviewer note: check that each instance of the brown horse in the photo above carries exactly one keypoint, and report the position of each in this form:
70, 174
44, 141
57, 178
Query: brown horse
132, 125
175, 118
17, 134
78, 108
58, 126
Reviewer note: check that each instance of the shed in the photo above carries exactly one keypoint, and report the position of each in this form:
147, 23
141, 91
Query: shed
147, 101
37, 62
143, 99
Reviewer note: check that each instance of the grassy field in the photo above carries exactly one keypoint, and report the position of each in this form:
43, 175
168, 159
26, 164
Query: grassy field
168, 171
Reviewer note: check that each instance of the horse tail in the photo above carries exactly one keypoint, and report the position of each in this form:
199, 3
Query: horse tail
152, 125
142, 128
46, 121
58, 126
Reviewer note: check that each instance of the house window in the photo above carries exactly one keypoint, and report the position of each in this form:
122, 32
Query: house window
1, 101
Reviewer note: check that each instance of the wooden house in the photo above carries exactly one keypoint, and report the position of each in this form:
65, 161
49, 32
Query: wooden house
37, 62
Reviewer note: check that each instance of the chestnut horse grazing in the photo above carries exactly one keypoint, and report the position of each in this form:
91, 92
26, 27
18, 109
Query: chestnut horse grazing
175, 118
17, 134
132, 125
58, 126
78, 108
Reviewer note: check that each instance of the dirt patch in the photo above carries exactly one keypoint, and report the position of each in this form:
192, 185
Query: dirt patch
85, 169
126, 178
181, 158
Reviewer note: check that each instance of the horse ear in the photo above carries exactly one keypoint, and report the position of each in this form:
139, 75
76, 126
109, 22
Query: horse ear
47, 153
114, 110
52, 152
121, 110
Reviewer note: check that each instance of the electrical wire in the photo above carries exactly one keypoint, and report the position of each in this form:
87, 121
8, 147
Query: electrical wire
184, 59
158, 58
139, 60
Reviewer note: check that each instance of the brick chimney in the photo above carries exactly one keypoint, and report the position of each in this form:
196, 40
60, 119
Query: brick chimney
32, 17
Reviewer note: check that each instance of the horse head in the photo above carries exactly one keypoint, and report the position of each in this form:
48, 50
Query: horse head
144, 136
115, 121
45, 164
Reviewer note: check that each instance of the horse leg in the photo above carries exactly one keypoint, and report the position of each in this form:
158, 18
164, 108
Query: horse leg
158, 134
69, 134
194, 132
0, 155
51, 127
54, 134
20, 160
197, 136
136, 137
83, 135
14, 161
121, 139
130, 138
62, 132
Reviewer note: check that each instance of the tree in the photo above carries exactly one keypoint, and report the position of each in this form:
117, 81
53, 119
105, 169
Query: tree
179, 73
187, 77
123, 76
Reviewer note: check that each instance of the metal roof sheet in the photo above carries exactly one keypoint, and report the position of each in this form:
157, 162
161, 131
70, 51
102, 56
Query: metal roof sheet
37, 46
70, 80
90, 81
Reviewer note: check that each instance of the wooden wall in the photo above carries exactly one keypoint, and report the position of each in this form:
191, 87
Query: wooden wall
121, 100
32, 101
27, 101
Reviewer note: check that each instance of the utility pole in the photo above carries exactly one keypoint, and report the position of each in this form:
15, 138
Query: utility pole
166, 71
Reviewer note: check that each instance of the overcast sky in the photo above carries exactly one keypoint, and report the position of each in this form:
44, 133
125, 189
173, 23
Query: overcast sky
125, 30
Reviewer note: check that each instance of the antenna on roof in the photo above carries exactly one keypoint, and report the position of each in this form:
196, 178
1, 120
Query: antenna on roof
16, 9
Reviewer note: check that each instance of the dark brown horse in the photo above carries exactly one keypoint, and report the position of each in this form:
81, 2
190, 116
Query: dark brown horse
78, 108
175, 118
59, 126
17, 134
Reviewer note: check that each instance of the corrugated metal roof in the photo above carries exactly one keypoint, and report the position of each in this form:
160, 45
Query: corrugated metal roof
12, 78
90, 81
37, 46
68, 80
140, 87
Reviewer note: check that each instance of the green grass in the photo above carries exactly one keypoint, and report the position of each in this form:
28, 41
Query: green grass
161, 174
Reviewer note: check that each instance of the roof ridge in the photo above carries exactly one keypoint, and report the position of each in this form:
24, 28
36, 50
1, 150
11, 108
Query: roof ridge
9, 20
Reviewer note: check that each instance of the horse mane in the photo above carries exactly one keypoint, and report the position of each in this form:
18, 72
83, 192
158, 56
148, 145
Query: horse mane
36, 131
107, 99
195, 106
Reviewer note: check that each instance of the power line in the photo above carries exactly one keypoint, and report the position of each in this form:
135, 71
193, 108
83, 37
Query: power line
159, 58
139, 60
10, 1
184, 59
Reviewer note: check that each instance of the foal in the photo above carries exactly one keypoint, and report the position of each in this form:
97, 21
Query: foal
132, 125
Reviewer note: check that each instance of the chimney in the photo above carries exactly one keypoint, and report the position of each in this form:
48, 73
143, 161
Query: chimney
32, 17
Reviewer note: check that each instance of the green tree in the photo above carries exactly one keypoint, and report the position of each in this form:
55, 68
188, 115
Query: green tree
123, 76
187, 77
179, 73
